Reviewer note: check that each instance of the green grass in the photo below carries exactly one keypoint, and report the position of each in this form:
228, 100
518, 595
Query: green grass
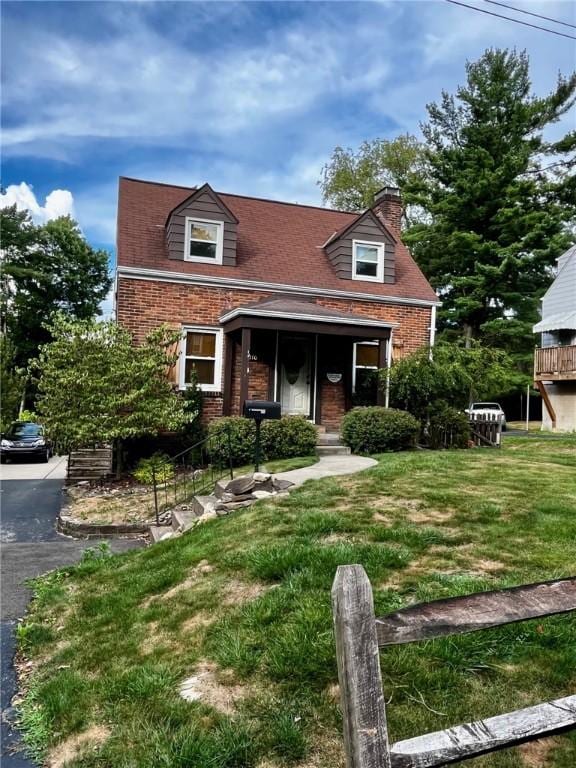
249, 594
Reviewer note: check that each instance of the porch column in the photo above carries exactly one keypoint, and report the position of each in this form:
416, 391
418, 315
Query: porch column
381, 397
227, 392
245, 350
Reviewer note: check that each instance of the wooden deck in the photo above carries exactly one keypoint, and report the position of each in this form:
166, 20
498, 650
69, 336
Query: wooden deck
555, 363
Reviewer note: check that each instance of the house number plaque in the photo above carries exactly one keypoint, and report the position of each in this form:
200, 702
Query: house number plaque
334, 378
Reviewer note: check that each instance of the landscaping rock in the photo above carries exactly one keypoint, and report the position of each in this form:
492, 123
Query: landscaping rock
261, 494
240, 485
281, 485
226, 497
261, 477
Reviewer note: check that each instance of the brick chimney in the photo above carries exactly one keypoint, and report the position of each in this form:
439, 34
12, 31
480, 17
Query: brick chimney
388, 207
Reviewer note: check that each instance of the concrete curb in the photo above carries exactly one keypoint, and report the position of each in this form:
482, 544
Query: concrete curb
80, 529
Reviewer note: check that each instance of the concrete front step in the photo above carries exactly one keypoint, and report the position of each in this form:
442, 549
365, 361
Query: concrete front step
333, 450
203, 504
182, 519
160, 532
328, 438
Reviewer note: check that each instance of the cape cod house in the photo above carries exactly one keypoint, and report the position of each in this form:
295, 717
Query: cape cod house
555, 358
276, 301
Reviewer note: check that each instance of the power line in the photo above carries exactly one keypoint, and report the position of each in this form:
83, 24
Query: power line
530, 13
508, 18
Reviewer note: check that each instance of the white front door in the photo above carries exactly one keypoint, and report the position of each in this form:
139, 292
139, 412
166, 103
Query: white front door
295, 375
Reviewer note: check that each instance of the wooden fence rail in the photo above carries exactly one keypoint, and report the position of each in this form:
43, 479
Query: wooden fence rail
358, 638
486, 429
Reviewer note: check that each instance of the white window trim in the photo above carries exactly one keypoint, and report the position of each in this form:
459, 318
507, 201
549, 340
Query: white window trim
219, 241
363, 367
380, 265
217, 385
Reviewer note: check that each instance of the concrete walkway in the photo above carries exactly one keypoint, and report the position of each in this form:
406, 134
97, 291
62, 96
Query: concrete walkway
21, 469
328, 466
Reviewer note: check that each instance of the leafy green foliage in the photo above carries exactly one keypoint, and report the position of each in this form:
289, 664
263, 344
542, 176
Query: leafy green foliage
284, 438
455, 375
96, 386
351, 179
447, 427
11, 384
157, 466
498, 218
375, 429
289, 437
47, 269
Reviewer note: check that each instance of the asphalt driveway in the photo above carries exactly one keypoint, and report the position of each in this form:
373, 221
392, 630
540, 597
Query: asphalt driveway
30, 498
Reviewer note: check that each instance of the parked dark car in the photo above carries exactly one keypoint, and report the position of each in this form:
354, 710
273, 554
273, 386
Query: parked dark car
25, 438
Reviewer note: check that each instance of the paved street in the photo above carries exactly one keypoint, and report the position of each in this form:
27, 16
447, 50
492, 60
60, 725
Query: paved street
30, 499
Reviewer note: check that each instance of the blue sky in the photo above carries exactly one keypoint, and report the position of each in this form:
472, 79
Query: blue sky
251, 97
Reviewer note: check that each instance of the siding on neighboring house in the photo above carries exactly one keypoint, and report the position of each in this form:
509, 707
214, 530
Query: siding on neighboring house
561, 296
339, 251
204, 205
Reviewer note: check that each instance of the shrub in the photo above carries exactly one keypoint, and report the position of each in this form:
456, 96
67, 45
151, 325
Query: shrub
375, 429
158, 465
242, 434
288, 437
281, 439
448, 428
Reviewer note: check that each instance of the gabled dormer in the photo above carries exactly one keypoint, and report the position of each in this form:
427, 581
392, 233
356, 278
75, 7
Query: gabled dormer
202, 230
364, 250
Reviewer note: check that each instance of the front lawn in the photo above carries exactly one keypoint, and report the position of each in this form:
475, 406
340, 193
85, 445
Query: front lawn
242, 605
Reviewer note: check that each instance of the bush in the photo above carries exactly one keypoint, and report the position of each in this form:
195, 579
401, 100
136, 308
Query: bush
375, 430
282, 439
448, 428
241, 440
288, 437
159, 465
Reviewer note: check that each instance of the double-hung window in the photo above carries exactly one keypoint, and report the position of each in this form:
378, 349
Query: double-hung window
201, 355
365, 362
368, 261
204, 241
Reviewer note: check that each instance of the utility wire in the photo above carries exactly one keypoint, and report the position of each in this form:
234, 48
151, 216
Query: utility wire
509, 18
530, 13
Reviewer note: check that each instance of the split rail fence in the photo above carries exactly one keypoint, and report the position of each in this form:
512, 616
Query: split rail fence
360, 635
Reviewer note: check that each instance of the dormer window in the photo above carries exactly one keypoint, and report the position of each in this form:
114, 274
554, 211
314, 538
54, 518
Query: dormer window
204, 241
368, 261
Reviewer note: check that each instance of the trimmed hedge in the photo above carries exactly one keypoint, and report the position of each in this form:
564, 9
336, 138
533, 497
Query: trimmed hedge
282, 439
375, 430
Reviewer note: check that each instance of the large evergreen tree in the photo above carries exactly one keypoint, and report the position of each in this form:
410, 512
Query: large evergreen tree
500, 196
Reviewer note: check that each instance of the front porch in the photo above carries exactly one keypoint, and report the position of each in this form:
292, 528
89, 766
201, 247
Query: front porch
311, 359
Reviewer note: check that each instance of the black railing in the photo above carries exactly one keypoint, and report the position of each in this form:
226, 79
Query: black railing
192, 472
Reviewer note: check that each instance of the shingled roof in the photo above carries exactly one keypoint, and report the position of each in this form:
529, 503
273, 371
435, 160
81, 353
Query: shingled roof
277, 242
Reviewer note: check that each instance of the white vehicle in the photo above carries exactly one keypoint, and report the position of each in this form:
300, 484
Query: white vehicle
494, 409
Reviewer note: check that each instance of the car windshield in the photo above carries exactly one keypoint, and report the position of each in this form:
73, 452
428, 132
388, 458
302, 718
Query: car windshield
25, 430
485, 406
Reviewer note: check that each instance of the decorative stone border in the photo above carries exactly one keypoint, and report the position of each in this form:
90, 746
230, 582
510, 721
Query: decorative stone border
84, 530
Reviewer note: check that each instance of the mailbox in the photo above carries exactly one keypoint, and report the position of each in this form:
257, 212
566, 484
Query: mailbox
261, 409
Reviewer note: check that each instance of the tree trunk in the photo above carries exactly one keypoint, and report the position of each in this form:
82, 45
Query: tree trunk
467, 335
119, 466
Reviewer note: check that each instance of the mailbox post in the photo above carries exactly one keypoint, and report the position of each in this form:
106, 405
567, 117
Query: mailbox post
260, 410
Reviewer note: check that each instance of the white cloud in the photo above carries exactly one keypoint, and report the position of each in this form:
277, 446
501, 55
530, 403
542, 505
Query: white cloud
58, 203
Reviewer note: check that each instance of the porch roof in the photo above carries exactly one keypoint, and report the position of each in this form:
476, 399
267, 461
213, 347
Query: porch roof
296, 315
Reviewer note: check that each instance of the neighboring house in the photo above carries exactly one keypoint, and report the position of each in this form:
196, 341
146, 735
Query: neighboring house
555, 359
279, 301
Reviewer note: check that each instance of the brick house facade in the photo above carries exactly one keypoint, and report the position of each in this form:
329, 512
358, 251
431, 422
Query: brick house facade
275, 301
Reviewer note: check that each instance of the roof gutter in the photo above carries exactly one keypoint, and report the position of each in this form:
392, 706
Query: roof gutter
298, 316
142, 273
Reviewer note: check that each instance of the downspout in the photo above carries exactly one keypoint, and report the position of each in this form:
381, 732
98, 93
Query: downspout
432, 330
388, 366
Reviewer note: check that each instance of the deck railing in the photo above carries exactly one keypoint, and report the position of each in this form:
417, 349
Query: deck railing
555, 362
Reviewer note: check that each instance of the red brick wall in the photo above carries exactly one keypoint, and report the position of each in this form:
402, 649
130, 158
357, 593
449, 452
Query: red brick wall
144, 304
332, 405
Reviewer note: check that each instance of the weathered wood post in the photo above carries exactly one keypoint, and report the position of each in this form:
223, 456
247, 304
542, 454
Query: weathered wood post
361, 694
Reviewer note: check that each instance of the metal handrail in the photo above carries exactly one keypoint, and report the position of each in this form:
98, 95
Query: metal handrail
195, 470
